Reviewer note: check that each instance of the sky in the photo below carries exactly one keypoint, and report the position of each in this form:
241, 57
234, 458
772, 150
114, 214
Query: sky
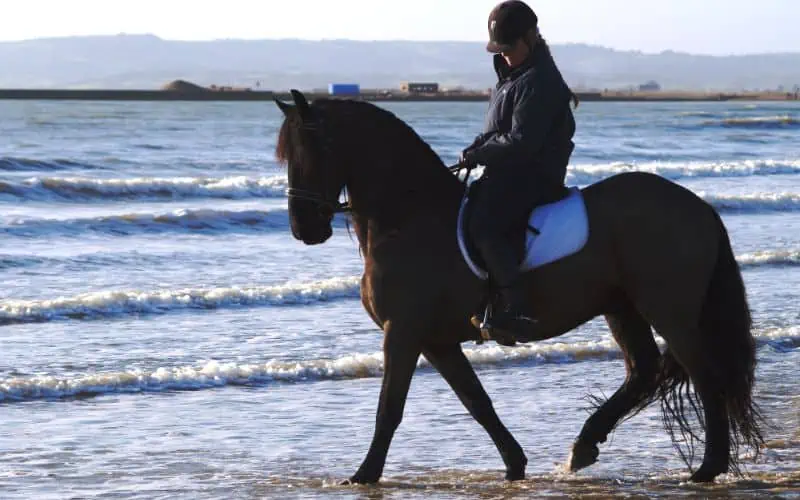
716, 27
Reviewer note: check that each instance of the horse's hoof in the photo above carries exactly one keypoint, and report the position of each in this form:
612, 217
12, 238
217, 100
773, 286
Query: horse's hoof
707, 474
583, 455
515, 474
516, 461
358, 479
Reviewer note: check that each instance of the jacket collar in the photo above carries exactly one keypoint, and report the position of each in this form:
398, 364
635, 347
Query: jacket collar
505, 73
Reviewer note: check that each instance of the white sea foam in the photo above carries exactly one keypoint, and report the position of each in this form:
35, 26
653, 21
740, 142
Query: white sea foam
769, 258
53, 188
753, 202
181, 220
145, 188
773, 121
122, 302
587, 173
115, 303
216, 373
258, 220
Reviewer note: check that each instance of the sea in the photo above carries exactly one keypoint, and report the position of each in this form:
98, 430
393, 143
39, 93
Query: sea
163, 336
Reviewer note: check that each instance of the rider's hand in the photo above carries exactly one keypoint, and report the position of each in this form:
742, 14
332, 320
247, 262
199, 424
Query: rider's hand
464, 157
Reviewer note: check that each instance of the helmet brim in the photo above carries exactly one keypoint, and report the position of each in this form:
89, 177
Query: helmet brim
496, 48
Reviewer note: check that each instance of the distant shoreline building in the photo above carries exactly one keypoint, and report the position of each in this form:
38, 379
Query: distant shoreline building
344, 89
419, 87
650, 86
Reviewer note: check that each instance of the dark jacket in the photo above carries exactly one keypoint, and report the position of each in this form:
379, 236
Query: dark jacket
529, 123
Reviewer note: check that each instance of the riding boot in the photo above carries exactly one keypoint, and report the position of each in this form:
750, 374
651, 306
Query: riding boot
516, 319
511, 321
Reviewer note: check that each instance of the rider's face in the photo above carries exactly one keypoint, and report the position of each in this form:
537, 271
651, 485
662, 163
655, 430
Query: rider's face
516, 54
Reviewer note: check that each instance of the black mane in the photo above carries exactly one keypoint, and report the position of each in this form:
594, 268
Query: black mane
381, 121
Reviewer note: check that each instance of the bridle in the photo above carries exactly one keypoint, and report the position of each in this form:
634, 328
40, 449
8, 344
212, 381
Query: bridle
334, 206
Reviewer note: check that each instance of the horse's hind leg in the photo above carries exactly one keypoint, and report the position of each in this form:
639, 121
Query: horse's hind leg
450, 362
642, 356
699, 363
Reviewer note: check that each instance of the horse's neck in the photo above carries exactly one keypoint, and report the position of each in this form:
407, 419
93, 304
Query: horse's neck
392, 195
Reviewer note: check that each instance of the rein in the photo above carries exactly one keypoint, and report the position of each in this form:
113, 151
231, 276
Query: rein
338, 207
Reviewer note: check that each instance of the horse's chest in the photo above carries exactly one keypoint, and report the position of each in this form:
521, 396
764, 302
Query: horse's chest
369, 299
383, 294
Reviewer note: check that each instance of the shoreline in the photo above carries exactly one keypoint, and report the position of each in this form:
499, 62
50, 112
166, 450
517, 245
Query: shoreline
375, 96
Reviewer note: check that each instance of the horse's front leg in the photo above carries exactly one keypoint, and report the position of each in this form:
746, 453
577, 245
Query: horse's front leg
453, 365
401, 349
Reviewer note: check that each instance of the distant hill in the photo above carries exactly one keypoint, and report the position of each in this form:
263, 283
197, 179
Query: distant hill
148, 62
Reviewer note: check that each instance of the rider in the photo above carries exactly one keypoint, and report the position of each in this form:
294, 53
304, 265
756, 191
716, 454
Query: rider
525, 147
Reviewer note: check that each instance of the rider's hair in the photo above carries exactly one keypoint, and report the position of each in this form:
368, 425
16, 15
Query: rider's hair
532, 39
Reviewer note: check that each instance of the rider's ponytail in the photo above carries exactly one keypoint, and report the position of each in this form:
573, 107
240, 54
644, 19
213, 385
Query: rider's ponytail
535, 38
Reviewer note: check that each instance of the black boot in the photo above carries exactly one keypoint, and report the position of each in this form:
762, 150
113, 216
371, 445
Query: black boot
511, 320
515, 319
483, 322
502, 254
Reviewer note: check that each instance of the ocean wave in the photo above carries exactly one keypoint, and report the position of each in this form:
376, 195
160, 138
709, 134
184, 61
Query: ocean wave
100, 305
212, 374
13, 164
183, 220
705, 114
221, 221
753, 203
144, 188
84, 261
756, 122
87, 189
588, 174
773, 258
113, 303
95, 260
10, 261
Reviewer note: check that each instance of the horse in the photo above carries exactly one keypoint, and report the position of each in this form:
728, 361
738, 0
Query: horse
656, 259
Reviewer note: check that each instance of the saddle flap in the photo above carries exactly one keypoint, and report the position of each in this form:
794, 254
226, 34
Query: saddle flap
563, 229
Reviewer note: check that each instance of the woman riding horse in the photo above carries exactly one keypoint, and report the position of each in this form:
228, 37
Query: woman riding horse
525, 146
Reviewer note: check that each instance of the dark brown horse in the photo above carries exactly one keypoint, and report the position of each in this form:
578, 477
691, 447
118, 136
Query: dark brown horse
657, 258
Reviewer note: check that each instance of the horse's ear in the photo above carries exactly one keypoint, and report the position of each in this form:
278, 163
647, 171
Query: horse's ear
285, 108
302, 104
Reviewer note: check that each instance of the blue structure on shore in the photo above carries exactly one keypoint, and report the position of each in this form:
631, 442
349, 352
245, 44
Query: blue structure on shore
337, 89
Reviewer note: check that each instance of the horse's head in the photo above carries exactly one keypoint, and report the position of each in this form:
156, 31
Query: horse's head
333, 144
315, 180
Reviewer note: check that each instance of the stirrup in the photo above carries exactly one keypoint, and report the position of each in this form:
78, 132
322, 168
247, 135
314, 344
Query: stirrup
519, 327
487, 329
486, 326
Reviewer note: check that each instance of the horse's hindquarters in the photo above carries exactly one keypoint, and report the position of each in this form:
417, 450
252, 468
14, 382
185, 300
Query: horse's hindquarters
661, 240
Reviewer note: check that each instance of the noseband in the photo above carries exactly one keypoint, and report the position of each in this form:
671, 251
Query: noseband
335, 206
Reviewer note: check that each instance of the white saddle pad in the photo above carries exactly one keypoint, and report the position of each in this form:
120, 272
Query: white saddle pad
563, 228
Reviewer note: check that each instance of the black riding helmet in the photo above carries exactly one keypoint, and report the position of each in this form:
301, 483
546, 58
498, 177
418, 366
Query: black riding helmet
508, 22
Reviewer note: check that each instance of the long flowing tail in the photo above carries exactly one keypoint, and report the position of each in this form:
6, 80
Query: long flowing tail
726, 326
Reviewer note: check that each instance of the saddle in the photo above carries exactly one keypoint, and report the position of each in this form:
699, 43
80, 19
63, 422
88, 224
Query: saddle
554, 230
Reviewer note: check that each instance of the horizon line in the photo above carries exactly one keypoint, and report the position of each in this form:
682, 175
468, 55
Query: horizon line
398, 40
